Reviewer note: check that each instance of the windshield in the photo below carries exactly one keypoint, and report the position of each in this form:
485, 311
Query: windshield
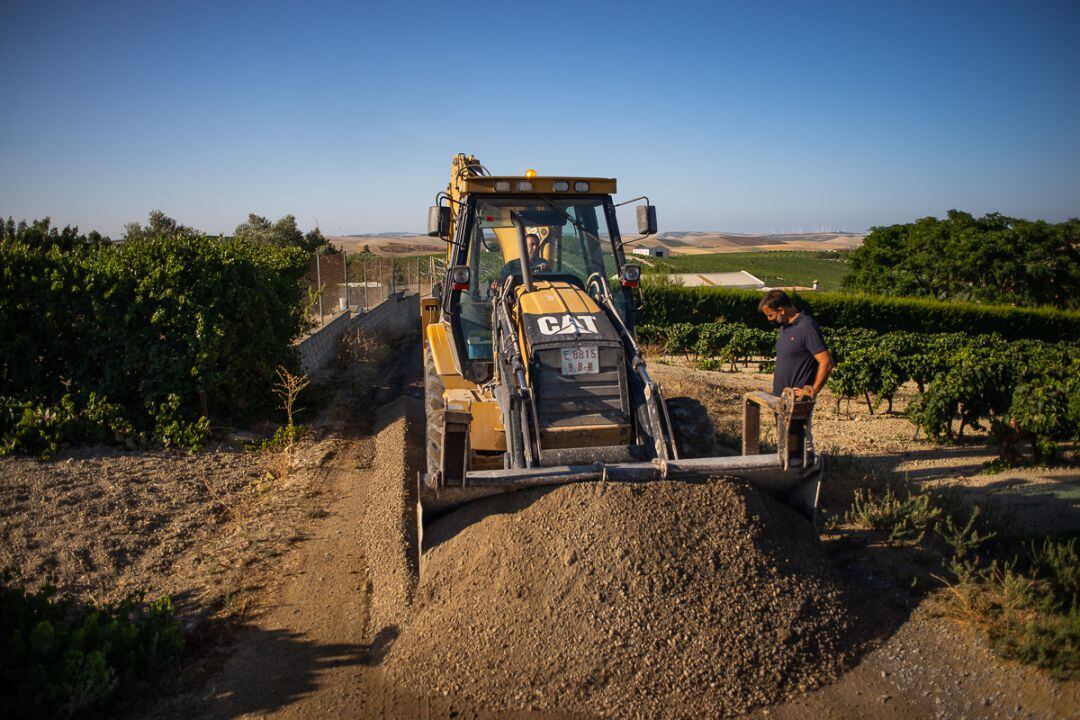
565, 237
562, 236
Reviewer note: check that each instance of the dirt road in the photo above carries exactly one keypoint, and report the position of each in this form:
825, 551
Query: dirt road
315, 651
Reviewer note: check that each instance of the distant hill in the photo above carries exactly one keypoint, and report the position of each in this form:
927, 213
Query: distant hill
682, 242
389, 244
383, 235
703, 243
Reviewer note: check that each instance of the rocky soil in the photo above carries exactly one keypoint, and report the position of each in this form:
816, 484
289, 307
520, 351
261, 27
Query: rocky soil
102, 523
650, 600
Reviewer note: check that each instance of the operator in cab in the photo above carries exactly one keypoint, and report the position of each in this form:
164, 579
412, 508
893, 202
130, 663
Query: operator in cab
536, 262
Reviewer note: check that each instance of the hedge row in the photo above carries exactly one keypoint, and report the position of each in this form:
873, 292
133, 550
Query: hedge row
192, 322
668, 304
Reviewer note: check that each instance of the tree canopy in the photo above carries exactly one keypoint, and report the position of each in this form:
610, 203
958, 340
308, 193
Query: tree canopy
158, 225
42, 233
992, 259
283, 233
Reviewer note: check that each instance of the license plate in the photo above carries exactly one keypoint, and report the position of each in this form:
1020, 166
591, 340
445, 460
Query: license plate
580, 360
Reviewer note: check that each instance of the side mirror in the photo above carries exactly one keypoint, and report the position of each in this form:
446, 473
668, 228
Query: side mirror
438, 221
646, 219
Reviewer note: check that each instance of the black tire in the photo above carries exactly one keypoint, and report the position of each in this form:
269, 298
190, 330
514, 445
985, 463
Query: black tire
694, 433
434, 409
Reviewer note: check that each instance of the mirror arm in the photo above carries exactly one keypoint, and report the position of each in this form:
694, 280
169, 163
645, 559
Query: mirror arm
648, 204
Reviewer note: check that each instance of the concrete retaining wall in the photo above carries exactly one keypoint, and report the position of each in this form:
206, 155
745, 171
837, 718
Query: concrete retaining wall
390, 320
318, 349
393, 319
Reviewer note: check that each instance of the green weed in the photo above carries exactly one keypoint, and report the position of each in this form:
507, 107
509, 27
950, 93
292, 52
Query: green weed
905, 518
60, 658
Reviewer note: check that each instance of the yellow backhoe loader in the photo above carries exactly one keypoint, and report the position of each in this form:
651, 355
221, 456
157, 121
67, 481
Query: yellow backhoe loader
533, 373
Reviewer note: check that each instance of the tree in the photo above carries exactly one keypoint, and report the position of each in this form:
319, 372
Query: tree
283, 233
256, 228
158, 225
314, 240
992, 259
43, 234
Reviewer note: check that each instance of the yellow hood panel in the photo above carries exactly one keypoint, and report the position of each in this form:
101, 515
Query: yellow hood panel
555, 297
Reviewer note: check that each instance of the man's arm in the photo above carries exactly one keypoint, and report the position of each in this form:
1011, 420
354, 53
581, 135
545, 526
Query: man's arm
825, 364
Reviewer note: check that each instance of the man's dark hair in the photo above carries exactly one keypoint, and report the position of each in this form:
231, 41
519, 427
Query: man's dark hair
774, 300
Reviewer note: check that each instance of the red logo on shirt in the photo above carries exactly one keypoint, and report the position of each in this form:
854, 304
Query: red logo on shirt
792, 338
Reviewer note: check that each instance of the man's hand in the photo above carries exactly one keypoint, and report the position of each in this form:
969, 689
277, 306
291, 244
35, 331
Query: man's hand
804, 393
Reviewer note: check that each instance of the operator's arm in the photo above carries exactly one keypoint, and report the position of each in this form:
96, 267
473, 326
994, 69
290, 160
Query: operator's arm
815, 345
511, 268
825, 364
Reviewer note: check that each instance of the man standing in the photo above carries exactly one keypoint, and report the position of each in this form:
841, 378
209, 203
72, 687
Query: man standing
802, 360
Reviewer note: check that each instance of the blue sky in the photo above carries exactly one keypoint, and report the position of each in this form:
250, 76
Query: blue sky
740, 116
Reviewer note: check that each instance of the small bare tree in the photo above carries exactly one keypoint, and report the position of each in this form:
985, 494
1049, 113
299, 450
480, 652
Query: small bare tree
288, 388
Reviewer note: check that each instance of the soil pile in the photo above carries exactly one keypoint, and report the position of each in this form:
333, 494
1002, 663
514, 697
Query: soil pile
651, 600
389, 516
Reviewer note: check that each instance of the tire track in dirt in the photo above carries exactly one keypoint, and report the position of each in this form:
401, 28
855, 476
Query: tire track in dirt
314, 652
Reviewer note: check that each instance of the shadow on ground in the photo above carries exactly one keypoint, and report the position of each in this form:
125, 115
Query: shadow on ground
291, 670
1040, 500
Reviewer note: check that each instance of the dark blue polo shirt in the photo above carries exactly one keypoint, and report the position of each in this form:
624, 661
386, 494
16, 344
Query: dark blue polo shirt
796, 345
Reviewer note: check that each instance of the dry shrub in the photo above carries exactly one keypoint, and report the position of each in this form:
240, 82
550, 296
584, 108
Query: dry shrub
288, 389
361, 355
1023, 615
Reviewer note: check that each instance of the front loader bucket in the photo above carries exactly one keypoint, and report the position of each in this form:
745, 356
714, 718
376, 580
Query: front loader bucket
797, 487
792, 474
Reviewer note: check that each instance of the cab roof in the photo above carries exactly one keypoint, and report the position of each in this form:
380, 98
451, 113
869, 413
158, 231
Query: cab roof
540, 185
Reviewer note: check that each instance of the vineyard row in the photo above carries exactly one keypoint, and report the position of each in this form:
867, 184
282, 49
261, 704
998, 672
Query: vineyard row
1022, 391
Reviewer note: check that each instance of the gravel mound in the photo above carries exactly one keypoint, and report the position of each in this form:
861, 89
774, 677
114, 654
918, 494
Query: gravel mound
387, 527
645, 600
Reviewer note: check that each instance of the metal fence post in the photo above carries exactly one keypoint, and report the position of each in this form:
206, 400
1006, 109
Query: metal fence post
345, 277
365, 286
318, 284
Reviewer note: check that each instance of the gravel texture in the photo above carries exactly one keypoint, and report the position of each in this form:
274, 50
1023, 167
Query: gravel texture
645, 600
103, 523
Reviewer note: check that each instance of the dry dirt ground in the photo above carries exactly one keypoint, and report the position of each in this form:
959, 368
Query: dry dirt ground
294, 591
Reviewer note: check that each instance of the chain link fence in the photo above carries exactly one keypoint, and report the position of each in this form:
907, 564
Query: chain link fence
356, 282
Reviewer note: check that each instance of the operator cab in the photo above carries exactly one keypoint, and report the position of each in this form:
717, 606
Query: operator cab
571, 239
